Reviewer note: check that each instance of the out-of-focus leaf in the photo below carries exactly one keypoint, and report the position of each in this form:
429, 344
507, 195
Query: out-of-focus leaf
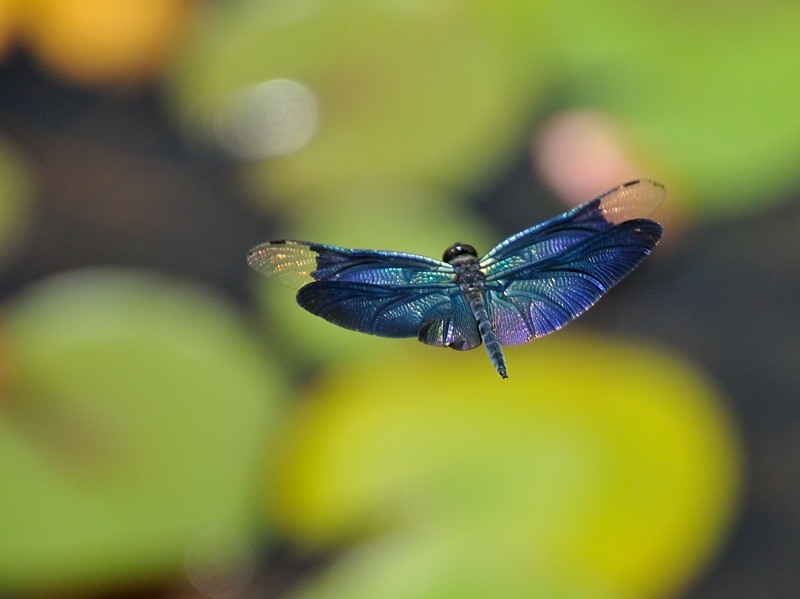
706, 94
711, 91
429, 93
598, 467
133, 417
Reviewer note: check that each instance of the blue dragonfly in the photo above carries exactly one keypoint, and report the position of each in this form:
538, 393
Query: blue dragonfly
529, 285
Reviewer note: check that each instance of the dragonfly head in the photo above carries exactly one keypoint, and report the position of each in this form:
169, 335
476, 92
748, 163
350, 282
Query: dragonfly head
458, 251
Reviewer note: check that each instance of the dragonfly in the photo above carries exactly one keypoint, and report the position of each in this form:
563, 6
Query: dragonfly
527, 286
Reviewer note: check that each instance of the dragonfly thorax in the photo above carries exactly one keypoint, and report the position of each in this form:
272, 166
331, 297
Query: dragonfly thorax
469, 275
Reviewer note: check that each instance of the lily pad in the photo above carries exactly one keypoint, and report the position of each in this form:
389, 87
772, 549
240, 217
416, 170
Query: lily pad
599, 468
134, 416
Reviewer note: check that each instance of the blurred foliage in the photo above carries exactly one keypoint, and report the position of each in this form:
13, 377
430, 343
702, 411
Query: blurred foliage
710, 89
130, 403
16, 190
419, 92
135, 408
600, 470
438, 93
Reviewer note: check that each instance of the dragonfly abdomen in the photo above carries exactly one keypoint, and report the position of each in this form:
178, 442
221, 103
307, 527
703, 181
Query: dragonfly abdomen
488, 336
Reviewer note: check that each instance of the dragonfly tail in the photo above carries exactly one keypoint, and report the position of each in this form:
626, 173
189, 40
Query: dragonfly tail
488, 336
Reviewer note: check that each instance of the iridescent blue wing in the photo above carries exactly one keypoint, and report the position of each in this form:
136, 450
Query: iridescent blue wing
435, 313
390, 294
297, 263
540, 279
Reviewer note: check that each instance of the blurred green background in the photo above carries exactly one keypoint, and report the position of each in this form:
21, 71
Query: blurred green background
171, 425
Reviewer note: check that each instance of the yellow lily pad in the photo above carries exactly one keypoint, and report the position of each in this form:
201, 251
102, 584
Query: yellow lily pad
597, 465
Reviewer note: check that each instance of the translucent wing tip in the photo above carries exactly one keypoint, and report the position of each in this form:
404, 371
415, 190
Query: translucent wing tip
261, 256
635, 199
289, 262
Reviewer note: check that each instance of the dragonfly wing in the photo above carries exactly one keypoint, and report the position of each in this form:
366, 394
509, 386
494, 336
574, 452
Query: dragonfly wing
391, 294
541, 279
288, 262
453, 325
428, 312
631, 201
297, 263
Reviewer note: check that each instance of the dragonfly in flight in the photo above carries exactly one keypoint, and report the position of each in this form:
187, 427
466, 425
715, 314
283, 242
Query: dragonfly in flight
529, 285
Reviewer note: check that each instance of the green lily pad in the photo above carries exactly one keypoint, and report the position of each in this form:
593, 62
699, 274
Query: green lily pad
711, 92
135, 412
427, 94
